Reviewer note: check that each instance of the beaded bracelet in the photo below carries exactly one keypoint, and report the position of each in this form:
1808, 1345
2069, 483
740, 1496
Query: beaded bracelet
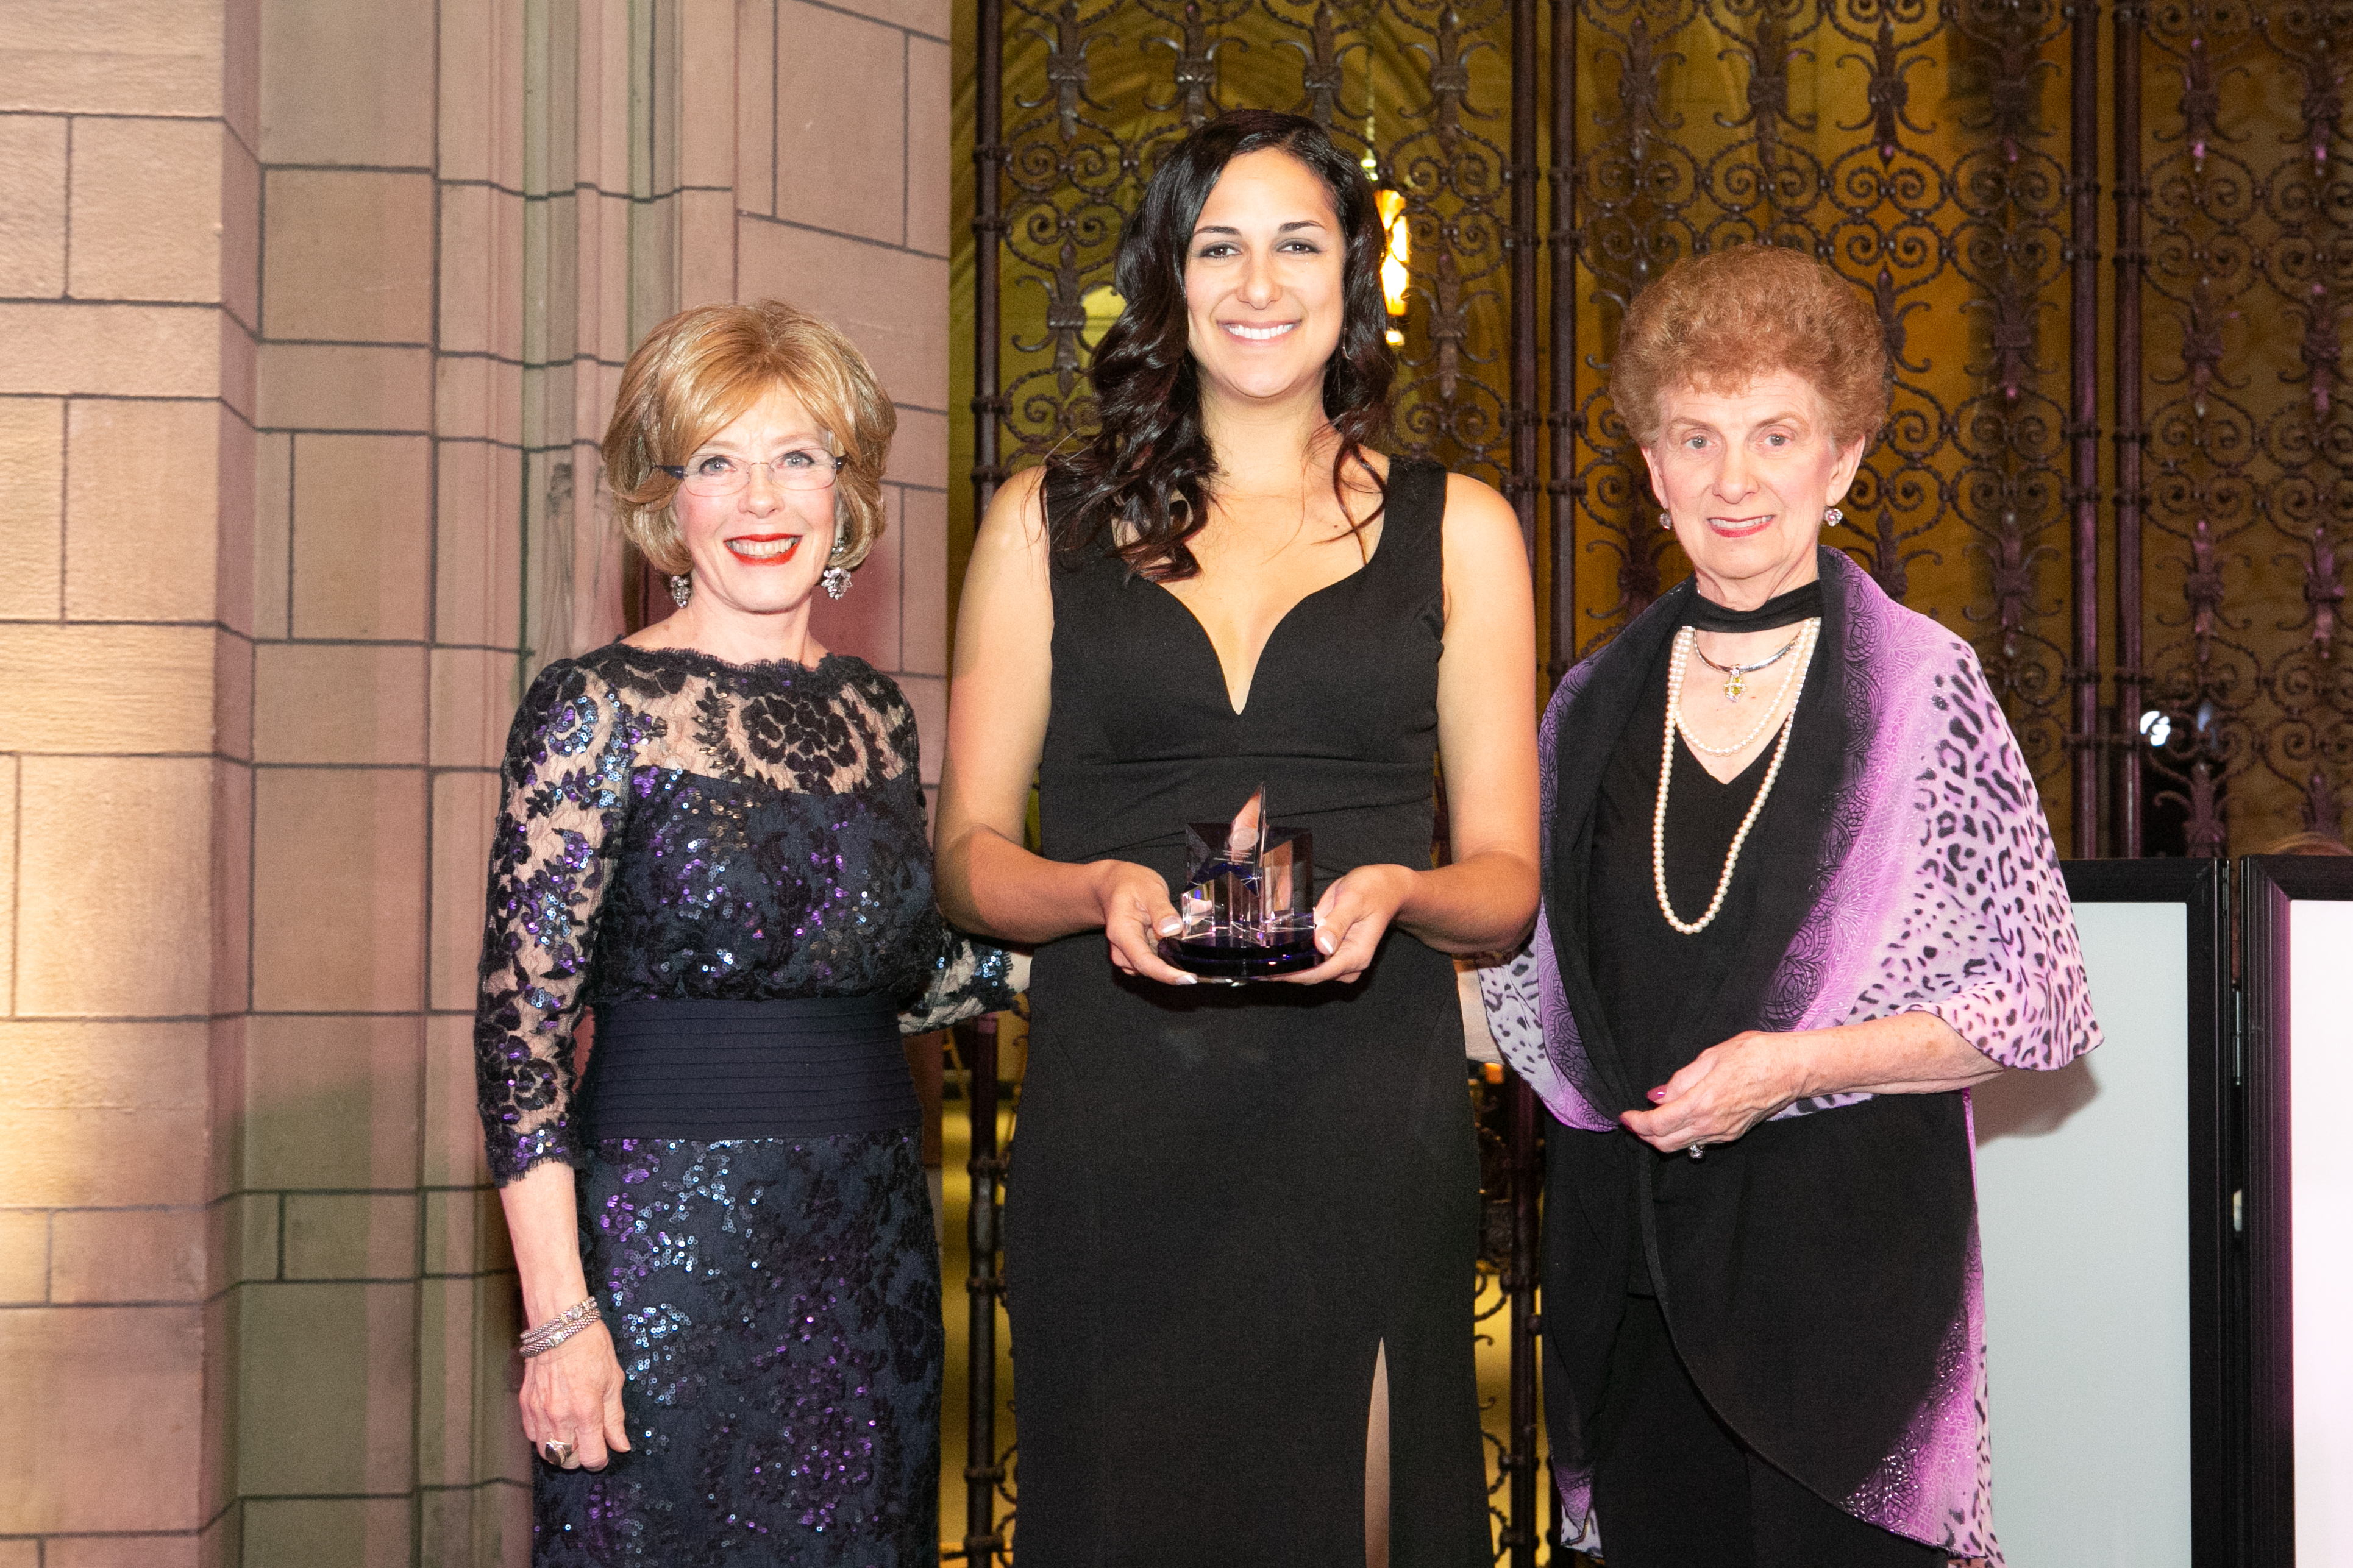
539, 1341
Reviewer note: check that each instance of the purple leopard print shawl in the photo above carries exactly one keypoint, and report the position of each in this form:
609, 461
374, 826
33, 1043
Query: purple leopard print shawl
1938, 891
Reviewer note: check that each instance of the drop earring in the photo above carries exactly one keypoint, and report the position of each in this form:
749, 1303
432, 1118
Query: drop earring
682, 589
837, 578
1665, 521
1832, 517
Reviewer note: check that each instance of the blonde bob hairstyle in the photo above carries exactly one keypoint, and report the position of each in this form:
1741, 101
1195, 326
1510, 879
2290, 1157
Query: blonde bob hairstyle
698, 373
1719, 321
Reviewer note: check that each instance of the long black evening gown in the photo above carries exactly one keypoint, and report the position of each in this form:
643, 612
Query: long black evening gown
728, 864
1224, 1201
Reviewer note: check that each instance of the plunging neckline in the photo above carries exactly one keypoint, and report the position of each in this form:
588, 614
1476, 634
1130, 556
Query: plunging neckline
1226, 685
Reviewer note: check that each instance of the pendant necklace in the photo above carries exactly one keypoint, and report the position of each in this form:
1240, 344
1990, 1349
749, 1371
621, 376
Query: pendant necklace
1792, 687
1736, 676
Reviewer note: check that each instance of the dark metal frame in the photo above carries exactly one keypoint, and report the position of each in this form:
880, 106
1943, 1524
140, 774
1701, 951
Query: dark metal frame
2089, 736
983, 1469
2202, 888
1523, 1152
2131, 433
1563, 489
2267, 885
2247, 272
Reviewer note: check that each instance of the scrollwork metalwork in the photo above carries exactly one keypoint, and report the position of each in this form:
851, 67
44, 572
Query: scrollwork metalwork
2249, 264
1122, 83
1957, 226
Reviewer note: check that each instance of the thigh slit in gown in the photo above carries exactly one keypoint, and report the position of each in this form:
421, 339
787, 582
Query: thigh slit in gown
1224, 1203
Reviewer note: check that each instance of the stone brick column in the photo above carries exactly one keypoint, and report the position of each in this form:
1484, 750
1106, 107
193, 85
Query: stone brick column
128, 299
311, 315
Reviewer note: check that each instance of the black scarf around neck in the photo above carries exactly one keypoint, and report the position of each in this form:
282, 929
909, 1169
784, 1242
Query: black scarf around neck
1803, 602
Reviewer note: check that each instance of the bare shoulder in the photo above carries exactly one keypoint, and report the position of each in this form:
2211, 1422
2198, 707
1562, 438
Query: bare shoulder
1476, 505
1015, 525
1483, 546
1486, 565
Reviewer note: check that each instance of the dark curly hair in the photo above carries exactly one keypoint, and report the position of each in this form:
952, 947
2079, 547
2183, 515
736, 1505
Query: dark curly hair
1143, 479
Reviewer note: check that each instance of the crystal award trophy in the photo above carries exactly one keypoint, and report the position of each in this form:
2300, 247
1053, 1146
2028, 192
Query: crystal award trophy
1249, 903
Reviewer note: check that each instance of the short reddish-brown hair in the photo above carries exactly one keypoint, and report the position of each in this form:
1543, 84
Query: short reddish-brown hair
697, 372
1723, 320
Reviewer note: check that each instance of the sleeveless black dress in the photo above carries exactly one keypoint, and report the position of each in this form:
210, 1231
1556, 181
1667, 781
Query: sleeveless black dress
1224, 1200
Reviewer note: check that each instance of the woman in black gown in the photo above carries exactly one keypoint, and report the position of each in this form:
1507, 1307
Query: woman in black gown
1241, 1232
712, 833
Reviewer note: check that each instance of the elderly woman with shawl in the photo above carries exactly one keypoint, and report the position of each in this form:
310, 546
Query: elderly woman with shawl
1799, 896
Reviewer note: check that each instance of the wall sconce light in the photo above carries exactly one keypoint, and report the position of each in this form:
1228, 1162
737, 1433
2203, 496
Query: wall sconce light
1395, 270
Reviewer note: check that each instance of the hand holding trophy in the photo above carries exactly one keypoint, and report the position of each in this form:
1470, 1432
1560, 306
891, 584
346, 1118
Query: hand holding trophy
1249, 903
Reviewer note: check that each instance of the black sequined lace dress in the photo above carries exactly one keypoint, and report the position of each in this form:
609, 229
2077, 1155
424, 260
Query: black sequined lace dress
698, 842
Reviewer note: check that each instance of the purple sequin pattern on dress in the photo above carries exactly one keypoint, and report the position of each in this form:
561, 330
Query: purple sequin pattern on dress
776, 1307
675, 828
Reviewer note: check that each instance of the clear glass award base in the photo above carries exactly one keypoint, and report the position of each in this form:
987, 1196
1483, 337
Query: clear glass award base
1241, 959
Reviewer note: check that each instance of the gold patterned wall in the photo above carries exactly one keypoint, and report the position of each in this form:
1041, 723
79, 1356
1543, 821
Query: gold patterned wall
2249, 240
1926, 151
1095, 94
1921, 151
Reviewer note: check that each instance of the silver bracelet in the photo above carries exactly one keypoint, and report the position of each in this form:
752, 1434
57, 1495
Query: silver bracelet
546, 1336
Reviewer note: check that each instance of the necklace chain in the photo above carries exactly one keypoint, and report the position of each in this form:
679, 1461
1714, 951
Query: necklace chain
1736, 676
1792, 687
1764, 722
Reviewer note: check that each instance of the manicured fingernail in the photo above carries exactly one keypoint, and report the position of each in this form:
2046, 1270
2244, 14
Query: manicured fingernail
1657, 1095
1325, 942
1170, 926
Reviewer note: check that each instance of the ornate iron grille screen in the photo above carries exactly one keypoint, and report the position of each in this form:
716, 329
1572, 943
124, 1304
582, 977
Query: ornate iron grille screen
1095, 94
2248, 210
1912, 148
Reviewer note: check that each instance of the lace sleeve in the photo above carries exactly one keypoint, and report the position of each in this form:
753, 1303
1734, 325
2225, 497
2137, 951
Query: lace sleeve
967, 979
564, 790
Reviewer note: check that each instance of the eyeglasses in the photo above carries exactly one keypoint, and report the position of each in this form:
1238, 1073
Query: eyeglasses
717, 474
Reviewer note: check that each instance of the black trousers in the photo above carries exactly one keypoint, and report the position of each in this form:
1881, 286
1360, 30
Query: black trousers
1674, 1487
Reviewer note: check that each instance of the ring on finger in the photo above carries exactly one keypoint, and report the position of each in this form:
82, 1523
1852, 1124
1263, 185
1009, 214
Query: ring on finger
1697, 1149
559, 1453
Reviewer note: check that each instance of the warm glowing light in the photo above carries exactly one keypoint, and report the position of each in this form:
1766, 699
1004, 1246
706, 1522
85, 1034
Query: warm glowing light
1395, 272
1102, 305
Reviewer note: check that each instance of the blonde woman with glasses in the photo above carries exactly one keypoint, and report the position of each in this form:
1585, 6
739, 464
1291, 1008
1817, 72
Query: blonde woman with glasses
712, 834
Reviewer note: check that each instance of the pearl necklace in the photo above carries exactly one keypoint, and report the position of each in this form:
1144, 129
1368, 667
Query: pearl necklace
1667, 768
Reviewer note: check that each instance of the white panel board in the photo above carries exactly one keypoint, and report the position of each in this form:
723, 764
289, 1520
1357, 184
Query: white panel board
2084, 1205
2320, 1165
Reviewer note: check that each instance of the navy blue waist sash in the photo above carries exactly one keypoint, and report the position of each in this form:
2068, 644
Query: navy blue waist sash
802, 1068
